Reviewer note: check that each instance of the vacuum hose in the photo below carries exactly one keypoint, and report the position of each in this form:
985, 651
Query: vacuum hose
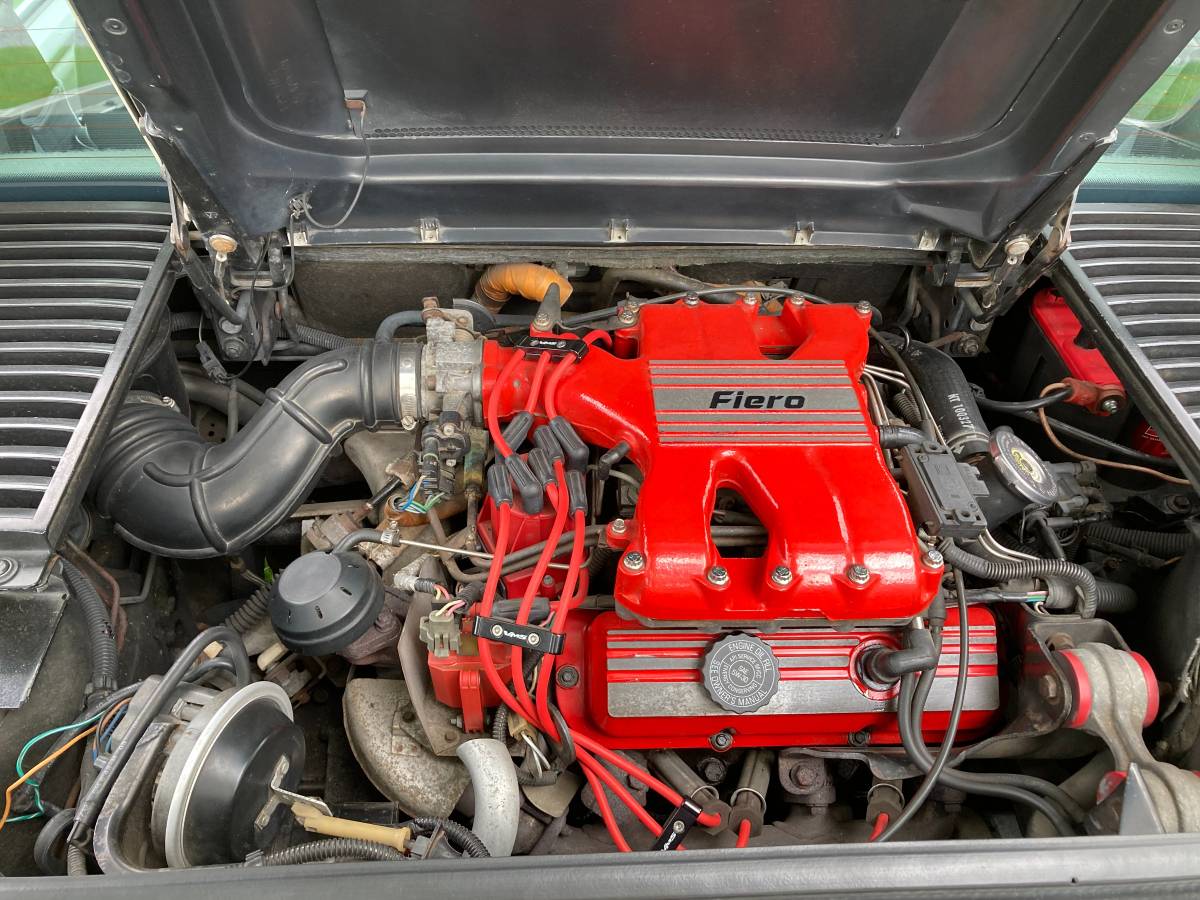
172, 493
102, 648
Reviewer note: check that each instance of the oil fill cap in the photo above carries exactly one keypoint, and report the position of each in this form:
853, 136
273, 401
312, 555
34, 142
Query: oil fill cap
741, 673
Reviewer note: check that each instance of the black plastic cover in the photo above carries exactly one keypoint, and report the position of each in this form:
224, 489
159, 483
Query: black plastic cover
323, 602
941, 499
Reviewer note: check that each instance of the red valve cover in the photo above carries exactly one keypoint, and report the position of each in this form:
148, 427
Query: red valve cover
642, 687
771, 406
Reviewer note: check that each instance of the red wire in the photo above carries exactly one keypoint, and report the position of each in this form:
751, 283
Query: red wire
743, 838
561, 369
535, 386
535, 580
606, 813
493, 407
574, 569
881, 822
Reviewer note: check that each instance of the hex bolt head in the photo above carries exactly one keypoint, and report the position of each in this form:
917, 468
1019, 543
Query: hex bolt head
617, 526
541, 321
795, 301
628, 314
858, 573
721, 741
408, 423
1048, 687
862, 306
567, 677
781, 576
933, 558
712, 769
633, 562
1110, 405
718, 576
692, 299
548, 581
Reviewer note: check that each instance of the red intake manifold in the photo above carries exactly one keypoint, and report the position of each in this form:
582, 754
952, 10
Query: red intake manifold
770, 406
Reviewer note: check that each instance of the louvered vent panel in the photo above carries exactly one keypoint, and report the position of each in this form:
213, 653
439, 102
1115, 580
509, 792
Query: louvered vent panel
1145, 263
81, 287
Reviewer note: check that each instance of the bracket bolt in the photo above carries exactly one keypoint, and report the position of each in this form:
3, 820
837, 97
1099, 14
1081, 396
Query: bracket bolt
721, 741
858, 573
781, 576
862, 306
617, 526
718, 576
568, 677
628, 314
1110, 405
933, 558
1018, 246
633, 562
692, 299
541, 321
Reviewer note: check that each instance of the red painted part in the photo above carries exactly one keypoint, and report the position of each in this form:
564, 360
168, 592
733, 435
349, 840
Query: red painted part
458, 682
608, 651
1151, 688
527, 529
1081, 690
1064, 332
807, 462
1146, 439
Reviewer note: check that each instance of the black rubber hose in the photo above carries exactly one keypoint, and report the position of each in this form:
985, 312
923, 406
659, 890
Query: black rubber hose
1064, 429
1007, 570
665, 279
1024, 405
1157, 543
91, 801
894, 436
243, 388
950, 400
960, 692
1114, 598
318, 338
172, 493
332, 850
101, 645
216, 396
250, 613
407, 318
461, 838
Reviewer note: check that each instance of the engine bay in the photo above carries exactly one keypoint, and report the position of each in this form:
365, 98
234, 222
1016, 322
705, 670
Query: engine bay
606, 559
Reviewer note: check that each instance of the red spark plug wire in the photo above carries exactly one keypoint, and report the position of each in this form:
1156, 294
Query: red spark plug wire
535, 386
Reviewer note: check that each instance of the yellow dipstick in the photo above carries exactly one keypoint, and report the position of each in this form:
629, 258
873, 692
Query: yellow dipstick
317, 822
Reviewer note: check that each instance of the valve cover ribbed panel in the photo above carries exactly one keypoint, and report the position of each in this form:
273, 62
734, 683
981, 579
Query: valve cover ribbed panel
82, 288
1132, 274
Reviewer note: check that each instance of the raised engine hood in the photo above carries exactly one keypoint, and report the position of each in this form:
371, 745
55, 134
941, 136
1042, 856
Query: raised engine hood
878, 123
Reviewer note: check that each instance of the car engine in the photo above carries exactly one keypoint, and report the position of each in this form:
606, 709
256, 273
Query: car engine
727, 562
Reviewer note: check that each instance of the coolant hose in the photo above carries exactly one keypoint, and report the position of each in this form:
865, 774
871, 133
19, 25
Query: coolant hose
1157, 543
950, 400
528, 280
334, 850
172, 493
406, 318
1007, 570
101, 646
497, 793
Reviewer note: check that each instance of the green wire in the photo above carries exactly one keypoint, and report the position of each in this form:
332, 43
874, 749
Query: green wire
34, 784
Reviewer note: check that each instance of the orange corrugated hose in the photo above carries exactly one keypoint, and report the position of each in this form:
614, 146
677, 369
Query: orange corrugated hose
528, 280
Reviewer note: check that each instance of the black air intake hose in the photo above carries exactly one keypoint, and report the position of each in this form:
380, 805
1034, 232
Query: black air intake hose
1007, 570
949, 397
1157, 543
173, 494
